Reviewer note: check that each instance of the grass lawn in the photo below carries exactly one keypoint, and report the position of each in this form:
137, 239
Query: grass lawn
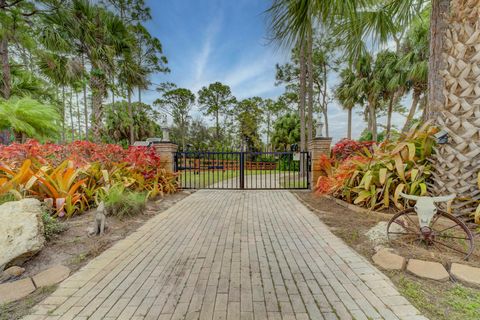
189, 179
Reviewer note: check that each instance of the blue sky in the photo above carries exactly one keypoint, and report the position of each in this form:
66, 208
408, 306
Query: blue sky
214, 40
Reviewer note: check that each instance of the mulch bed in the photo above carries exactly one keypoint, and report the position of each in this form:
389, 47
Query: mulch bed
437, 300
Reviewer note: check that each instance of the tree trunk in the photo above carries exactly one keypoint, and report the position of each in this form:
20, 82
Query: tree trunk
301, 97
436, 61
71, 115
113, 99
268, 131
130, 116
325, 119
85, 103
324, 100
349, 124
369, 118
7, 81
413, 110
97, 85
63, 114
78, 117
457, 162
310, 86
139, 94
389, 116
217, 124
373, 120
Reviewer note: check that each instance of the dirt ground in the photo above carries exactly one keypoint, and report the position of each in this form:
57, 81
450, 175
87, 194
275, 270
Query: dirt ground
74, 248
437, 300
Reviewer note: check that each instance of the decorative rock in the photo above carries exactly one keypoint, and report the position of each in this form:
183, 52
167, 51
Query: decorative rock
13, 291
388, 260
428, 270
51, 276
14, 271
11, 273
21, 231
466, 274
378, 233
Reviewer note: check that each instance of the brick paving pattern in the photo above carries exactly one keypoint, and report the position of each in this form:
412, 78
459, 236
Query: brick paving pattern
229, 255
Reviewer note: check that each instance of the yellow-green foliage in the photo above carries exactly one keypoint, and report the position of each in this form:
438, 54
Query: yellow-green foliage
375, 178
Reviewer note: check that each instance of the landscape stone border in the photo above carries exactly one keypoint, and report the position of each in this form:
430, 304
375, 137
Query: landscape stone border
16, 290
468, 275
387, 259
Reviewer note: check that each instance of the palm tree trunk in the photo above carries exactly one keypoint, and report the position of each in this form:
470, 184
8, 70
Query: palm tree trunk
63, 114
436, 63
373, 120
6, 74
71, 115
130, 116
139, 94
457, 162
349, 124
301, 97
85, 102
78, 117
368, 118
310, 86
413, 110
98, 90
389, 116
113, 98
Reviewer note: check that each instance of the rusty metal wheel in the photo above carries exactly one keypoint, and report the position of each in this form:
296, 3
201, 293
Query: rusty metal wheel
445, 233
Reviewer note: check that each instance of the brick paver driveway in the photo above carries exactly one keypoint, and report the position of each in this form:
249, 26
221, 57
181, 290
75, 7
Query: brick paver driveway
234, 255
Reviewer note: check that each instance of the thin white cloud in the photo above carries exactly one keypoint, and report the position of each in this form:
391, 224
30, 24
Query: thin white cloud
201, 61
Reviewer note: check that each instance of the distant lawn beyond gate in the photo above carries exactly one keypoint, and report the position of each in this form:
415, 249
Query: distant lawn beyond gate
229, 179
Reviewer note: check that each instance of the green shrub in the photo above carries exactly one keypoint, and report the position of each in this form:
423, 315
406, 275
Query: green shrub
51, 226
124, 203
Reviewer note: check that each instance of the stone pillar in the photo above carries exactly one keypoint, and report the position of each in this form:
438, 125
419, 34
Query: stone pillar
317, 147
166, 151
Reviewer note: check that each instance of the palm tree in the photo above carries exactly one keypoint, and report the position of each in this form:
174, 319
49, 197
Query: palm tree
452, 26
291, 22
457, 163
392, 82
414, 62
347, 96
368, 87
28, 118
132, 75
63, 71
95, 33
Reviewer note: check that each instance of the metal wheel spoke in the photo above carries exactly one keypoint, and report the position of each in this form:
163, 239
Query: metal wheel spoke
450, 247
405, 227
452, 237
451, 227
392, 232
410, 219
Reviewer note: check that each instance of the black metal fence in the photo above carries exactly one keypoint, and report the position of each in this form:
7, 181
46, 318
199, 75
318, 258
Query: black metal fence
243, 169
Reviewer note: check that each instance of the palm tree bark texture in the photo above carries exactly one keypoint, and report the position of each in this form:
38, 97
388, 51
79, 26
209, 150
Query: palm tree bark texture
457, 163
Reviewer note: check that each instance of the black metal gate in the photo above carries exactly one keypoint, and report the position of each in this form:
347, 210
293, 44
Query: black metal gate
243, 170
